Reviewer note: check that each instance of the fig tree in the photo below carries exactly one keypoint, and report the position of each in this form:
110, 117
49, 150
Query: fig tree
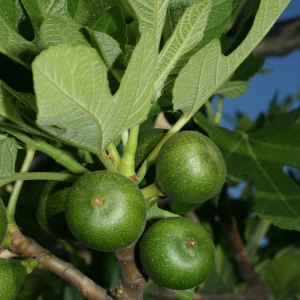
105, 211
177, 253
3, 221
190, 168
51, 210
12, 274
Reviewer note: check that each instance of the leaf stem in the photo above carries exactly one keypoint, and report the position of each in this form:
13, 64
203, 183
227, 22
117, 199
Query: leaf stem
108, 164
126, 165
11, 207
114, 153
58, 155
124, 136
150, 191
154, 153
30, 264
218, 115
39, 176
210, 112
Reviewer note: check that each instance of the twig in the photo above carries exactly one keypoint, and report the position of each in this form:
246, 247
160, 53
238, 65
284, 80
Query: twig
167, 296
133, 282
256, 288
26, 247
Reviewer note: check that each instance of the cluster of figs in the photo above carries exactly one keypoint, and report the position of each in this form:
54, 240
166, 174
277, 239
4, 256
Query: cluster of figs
106, 211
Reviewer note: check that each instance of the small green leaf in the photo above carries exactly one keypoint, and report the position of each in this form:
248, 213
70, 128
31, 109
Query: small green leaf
112, 23
261, 155
86, 12
209, 68
233, 89
151, 14
8, 155
281, 276
182, 44
74, 100
182, 294
110, 51
13, 45
39, 10
57, 30
157, 213
219, 17
255, 230
8, 107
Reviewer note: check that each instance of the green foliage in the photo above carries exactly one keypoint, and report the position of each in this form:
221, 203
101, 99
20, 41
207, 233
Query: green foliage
262, 155
78, 80
12, 274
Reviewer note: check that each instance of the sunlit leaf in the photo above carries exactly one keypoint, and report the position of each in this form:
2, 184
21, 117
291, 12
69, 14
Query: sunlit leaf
110, 52
182, 44
208, 69
233, 89
112, 23
74, 100
220, 16
151, 14
57, 30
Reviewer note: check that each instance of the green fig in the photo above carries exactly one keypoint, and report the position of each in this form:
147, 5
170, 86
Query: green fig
12, 275
190, 168
51, 210
105, 211
177, 253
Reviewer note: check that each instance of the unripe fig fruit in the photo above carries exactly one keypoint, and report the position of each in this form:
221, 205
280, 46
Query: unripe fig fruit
105, 211
177, 253
3, 222
12, 275
190, 168
51, 210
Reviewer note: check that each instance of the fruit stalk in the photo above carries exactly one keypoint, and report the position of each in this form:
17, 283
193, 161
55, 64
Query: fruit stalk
10, 212
26, 247
133, 282
126, 166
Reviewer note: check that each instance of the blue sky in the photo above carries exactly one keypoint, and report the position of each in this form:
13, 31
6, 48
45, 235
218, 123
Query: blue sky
284, 79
